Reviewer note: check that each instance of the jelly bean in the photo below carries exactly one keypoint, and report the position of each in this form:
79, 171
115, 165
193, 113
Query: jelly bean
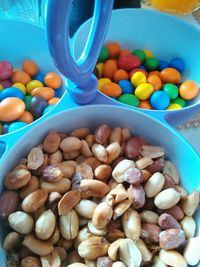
11, 109
27, 101
155, 81
138, 78
129, 62
52, 80
162, 64
37, 106
32, 85
171, 89
102, 82
145, 104
111, 89
20, 86
170, 75
151, 64
159, 100
6, 70
16, 126
113, 49
129, 99
124, 52
178, 64
11, 92
53, 100
140, 53
173, 107
126, 87
119, 75
5, 128
179, 101
109, 68
1, 87
30, 67
103, 54
39, 77
148, 53
48, 108
20, 76
26, 117
189, 90
135, 70
6, 83
45, 92
144, 91
99, 67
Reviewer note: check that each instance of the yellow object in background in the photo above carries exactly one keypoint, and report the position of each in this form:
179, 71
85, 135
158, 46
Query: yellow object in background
180, 7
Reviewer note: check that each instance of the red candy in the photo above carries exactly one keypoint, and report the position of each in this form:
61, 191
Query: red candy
6, 70
129, 62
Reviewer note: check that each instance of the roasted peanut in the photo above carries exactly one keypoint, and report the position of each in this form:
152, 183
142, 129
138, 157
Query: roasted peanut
125, 134
35, 158
145, 252
61, 253
68, 201
143, 162
32, 185
121, 168
154, 184
80, 133
52, 142
67, 169
167, 198
113, 151
82, 235
11, 241
93, 162
85, 171
94, 188
55, 236
102, 215
85, 150
118, 264
158, 263
52, 259
51, 174
30, 262
182, 191
85, 208
191, 203
151, 151
103, 172
149, 216
121, 208
116, 135
77, 264
150, 232
62, 186
45, 225
71, 155
104, 262
133, 176
133, 147
113, 249
189, 226
34, 201
96, 231
90, 263
171, 238
9, 201
17, 179
55, 158
102, 133
191, 251
172, 258
69, 225
131, 224
21, 222
171, 170
90, 139
100, 153
176, 212
70, 144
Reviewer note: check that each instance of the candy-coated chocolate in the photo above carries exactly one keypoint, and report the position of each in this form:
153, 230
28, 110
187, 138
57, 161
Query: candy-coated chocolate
20, 86
45, 92
126, 87
151, 63
129, 99
27, 101
124, 52
1, 87
20, 76
11, 109
138, 78
171, 89
162, 64
137, 69
179, 101
26, 117
30, 67
37, 106
109, 68
129, 62
155, 81
170, 75
173, 107
159, 100
52, 80
144, 91
39, 77
148, 53
178, 64
102, 82
189, 90
113, 49
145, 104
16, 126
103, 54
111, 89
140, 53
119, 75
6, 70
32, 85
11, 92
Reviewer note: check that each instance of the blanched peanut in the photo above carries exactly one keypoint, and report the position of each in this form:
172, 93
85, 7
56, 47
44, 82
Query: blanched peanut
94, 188
157, 262
190, 203
77, 264
70, 144
191, 251
113, 151
100, 152
121, 208
30, 262
102, 215
11, 241
103, 172
35, 158
152, 151
189, 226
21, 222
167, 198
143, 162
69, 225
171, 170
50, 260
154, 185
172, 258
114, 249
116, 135
68, 201
145, 252
32, 186
149, 216
85, 208
62, 186
102, 133
166, 221
45, 225
121, 168
131, 224
34, 200
55, 236
171, 238
96, 231
118, 264
90, 263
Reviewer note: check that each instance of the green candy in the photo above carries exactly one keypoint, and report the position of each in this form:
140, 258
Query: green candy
139, 53
104, 54
27, 101
171, 89
180, 101
129, 99
151, 64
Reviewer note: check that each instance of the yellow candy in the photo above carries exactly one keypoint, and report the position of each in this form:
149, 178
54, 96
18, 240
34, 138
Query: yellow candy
137, 78
99, 66
173, 107
102, 82
33, 84
148, 53
144, 91
1, 87
20, 86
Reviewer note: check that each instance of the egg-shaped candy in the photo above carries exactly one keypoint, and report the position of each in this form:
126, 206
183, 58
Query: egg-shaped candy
11, 109
189, 90
52, 80
138, 78
129, 99
37, 106
6, 70
129, 62
11, 92
20, 76
144, 91
32, 85
159, 100
170, 75
26, 117
30, 67
45, 92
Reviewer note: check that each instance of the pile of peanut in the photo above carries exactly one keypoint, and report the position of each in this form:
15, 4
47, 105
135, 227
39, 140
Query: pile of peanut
103, 199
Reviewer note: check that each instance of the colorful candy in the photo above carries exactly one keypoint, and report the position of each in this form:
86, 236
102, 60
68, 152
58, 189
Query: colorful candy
52, 80
37, 106
138, 78
129, 99
128, 62
30, 67
6, 70
159, 100
111, 89
144, 91
189, 90
11, 109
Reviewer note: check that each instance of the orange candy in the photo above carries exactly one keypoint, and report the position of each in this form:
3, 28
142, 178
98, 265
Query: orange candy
154, 72
20, 76
124, 52
170, 75
30, 67
112, 89
155, 81
52, 80
113, 49
189, 90
145, 104
44, 92
109, 68
26, 117
119, 75
11, 109
53, 101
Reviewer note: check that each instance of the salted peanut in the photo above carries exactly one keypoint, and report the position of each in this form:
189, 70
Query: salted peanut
182, 191
129, 253
54, 197
39, 247
137, 195
85, 171
80, 133
172, 258
191, 203
156, 166
62, 186
93, 248
131, 224
11, 241
133, 176
157, 262
146, 175
102, 134
80, 159
55, 236
72, 155
38, 212
143, 162
32, 185
100, 152
34, 200
83, 234
176, 212
118, 264
145, 252
45, 225
69, 225
116, 135
70, 144
121, 168
171, 238
104, 262
94, 188
52, 142
103, 172
115, 235
76, 264
152, 151
73, 163
30, 262
85, 208
113, 151
35, 158
21, 222
85, 149
55, 158
167, 221
113, 249
171, 170
90, 263
17, 179
67, 169
93, 162
154, 184
9, 201
61, 253
51, 174
96, 231
149, 216
121, 208
150, 232
188, 225
125, 134
112, 184
133, 147
68, 201
191, 251
167, 198
90, 139
51, 260
119, 193
102, 215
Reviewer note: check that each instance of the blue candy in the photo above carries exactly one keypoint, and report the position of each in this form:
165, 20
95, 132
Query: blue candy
177, 63
126, 87
5, 128
40, 77
142, 67
159, 100
48, 108
11, 92
162, 64
16, 126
